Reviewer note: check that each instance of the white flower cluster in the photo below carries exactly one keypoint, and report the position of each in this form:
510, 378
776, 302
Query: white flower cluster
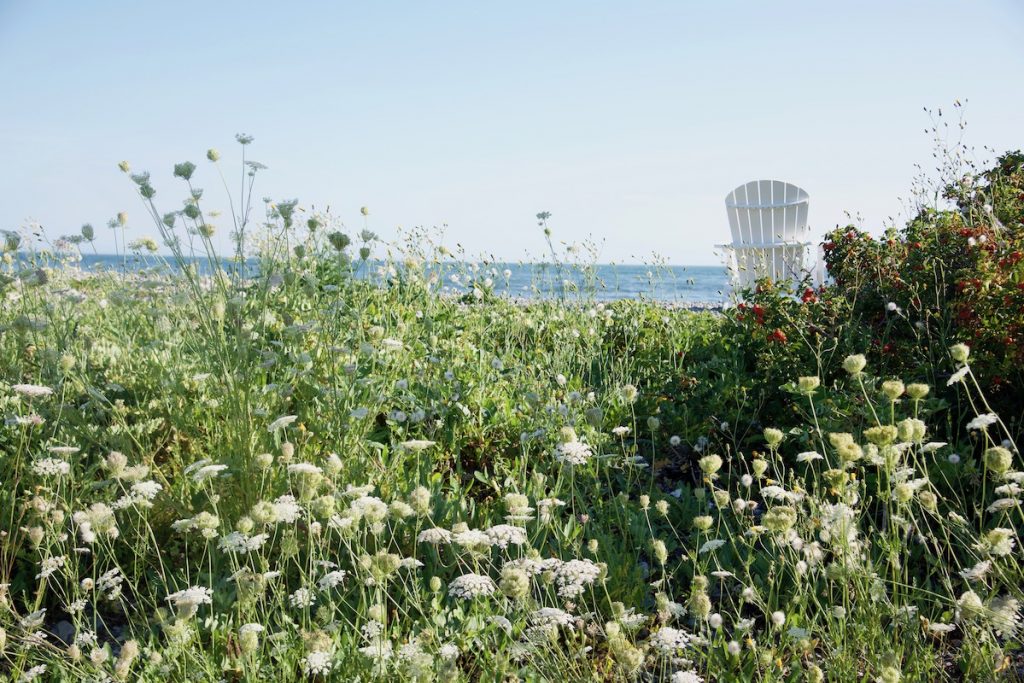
574, 576
669, 641
504, 535
573, 453
469, 586
51, 467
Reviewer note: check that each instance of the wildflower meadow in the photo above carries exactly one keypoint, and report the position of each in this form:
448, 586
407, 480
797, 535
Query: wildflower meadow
304, 461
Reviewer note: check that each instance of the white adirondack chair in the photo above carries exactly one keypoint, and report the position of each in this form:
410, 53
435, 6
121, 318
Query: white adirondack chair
768, 220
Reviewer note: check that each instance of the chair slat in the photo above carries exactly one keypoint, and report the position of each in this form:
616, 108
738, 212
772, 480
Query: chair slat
768, 222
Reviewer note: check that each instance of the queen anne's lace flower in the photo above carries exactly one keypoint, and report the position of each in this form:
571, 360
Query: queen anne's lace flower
304, 468
31, 390
573, 453
434, 536
574, 576
332, 579
237, 542
51, 467
978, 571
207, 472
281, 423
187, 601
669, 641
686, 677
469, 586
551, 616
317, 663
50, 566
472, 539
302, 598
983, 421
287, 510
504, 535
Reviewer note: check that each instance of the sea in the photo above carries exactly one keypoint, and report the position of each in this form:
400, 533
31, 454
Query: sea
694, 286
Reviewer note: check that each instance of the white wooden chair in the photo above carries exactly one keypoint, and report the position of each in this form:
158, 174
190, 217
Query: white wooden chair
768, 220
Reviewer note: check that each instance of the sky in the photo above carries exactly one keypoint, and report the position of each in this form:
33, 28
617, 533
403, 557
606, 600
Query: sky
628, 121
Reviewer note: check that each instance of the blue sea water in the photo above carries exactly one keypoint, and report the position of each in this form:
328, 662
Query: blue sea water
685, 285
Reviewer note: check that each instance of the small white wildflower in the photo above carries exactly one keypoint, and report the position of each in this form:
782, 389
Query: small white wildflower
710, 546
469, 586
983, 421
435, 536
302, 598
32, 390
207, 472
281, 423
317, 663
332, 579
573, 453
669, 641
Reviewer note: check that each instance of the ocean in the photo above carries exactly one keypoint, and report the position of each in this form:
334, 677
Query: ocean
683, 285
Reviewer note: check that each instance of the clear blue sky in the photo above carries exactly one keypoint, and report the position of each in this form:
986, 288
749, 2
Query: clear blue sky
629, 121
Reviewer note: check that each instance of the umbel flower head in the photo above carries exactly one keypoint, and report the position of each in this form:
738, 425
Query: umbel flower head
573, 453
773, 436
469, 586
960, 352
710, 464
892, 389
998, 460
807, 385
855, 364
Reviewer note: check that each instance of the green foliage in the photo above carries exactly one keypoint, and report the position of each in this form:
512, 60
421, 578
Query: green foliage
302, 472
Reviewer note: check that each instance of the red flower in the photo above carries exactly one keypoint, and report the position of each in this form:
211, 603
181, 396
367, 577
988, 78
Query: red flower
779, 336
808, 296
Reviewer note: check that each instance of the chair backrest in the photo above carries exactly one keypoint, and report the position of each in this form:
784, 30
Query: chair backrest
768, 220
766, 212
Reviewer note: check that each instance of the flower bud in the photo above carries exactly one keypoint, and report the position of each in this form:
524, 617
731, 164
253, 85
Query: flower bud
917, 391
892, 389
703, 522
759, 466
960, 352
855, 364
807, 385
998, 460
